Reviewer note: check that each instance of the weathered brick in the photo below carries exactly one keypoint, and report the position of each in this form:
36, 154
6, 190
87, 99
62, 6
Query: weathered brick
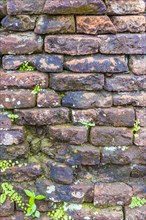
74, 193
15, 7
111, 194
129, 23
110, 136
41, 62
86, 212
60, 173
10, 99
123, 155
68, 81
55, 24
21, 174
141, 116
70, 134
5, 122
25, 79
14, 152
106, 116
138, 213
87, 100
141, 139
71, 44
7, 208
98, 64
121, 7
43, 116
83, 155
137, 64
125, 83
138, 171
123, 44
48, 98
75, 7
20, 43
94, 25
13, 136
137, 98
19, 22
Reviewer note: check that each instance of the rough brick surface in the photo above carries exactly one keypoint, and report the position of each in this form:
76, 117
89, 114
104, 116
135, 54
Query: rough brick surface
41, 62
121, 7
95, 25
43, 116
106, 116
98, 64
87, 100
123, 44
112, 193
13, 136
70, 134
73, 77
10, 99
55, 24
125, 83
77, 7
25, 79
21, 43
106, 136
71, 45
68, 81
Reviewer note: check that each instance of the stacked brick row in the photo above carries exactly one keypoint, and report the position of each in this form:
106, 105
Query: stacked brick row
89, 61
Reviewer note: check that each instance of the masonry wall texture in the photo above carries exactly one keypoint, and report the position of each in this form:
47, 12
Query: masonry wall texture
76, 133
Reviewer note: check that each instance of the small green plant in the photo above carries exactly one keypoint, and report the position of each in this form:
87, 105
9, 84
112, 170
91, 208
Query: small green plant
13, 117
36, 90
6, 164
26, 66
87, 124
137, 202
136, 128
9, 192
32, 208
59, 213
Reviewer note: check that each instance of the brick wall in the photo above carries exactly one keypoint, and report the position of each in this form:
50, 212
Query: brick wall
76, 133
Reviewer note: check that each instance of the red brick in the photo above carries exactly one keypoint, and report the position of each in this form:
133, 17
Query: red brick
75, 7
20, 43
131, 23
70, 134
7, 208
43, 116
15, 7
10, 99
141, 116
13, 136
141, 139
23, 79
68, 81
137, 98
21, 174
125, 83
71, 45
111, 194
94, 25
123, 44
110, 136
55, 24
48, 98
138, 64
106, 116
121, 7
